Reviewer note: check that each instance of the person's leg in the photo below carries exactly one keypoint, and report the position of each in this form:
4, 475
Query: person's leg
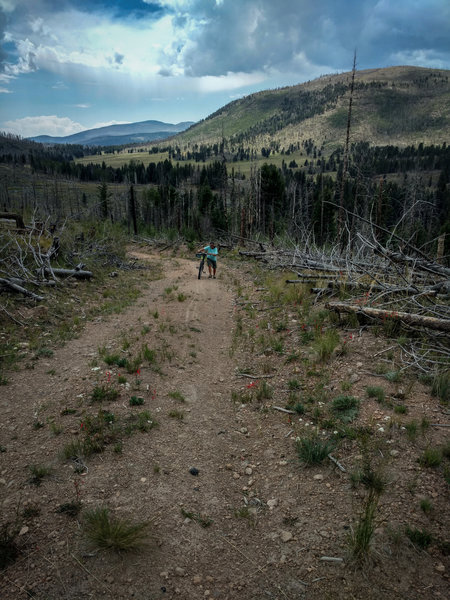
214, 272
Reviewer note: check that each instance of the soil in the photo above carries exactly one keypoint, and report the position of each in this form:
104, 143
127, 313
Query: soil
233, 513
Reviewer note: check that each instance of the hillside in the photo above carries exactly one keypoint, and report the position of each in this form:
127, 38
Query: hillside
126, 133
401, 105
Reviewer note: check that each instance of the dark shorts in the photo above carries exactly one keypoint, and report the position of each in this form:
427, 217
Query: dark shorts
211, 263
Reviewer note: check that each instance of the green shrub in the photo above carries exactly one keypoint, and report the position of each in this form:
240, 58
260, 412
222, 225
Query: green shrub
103, 393
136, 401
38, 473
345, 408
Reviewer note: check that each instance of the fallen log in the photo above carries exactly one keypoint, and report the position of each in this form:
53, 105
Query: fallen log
384, 289
306, 278
78, 274
417, 263
376, 313
36, 283
11, 286
13, 217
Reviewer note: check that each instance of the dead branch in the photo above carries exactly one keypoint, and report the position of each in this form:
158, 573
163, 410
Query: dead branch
410, 318
9, 285
78, 274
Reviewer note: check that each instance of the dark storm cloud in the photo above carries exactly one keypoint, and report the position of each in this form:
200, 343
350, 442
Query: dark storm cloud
265, 35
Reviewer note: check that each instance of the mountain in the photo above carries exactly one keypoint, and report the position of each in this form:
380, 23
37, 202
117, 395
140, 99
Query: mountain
395, 105
112, 135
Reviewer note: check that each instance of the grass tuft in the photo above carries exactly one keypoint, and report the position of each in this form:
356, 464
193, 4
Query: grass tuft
313, 450
419, 537
107, 532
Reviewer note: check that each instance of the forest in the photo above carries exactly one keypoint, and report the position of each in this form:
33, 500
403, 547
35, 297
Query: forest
202, 192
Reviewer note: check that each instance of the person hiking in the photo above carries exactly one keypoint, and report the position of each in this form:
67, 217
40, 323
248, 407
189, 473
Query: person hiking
211, 258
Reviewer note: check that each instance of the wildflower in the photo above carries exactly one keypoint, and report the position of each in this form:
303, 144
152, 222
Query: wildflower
252, 384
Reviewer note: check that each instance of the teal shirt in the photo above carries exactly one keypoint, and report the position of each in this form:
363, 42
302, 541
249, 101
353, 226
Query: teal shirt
210, 251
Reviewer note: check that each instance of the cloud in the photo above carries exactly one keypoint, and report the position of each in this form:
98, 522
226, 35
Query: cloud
214, 38
42, 125
136, 50
5, 91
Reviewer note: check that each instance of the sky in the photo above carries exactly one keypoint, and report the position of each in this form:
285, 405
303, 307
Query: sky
71, 65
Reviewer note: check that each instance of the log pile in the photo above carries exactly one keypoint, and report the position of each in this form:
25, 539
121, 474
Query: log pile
25, 266
378, 285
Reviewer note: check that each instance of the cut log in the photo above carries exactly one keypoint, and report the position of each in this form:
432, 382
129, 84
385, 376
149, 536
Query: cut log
376, 313
11, 286
78, 274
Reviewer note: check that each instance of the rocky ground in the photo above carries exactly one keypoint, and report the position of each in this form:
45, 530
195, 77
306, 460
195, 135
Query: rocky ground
232, 511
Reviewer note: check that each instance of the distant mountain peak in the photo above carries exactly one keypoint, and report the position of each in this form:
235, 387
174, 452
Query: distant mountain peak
118, 134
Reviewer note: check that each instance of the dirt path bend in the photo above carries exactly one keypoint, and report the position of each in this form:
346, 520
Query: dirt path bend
198, 545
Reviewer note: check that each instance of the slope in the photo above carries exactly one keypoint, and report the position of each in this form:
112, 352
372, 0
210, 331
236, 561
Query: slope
401, 104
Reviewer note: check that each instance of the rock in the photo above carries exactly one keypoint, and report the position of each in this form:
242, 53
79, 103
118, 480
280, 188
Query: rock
354, 378
272, 503
243, 430
229, 467
164, 575
24, 530
236, 476
286, 536
194, 471
197, 579
440, 568
394, 452
318, 477
180, 572
248, 471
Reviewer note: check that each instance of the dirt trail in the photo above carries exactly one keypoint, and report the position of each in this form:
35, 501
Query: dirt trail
249, 525
151, 478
